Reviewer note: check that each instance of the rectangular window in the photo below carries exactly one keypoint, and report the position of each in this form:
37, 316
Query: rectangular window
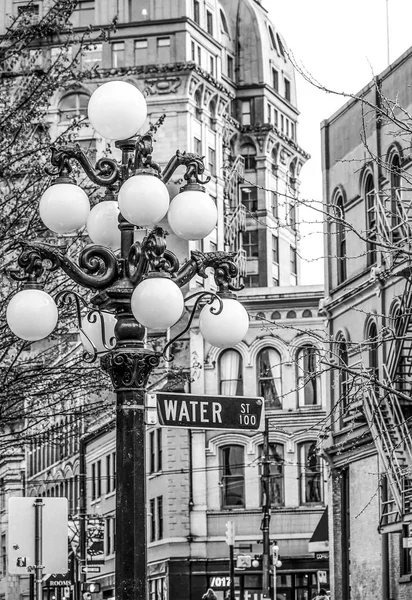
230, 66
249, 198
109, 536
293, 261
114, 470
269, 108
287, 89
99, 478
193, 47
276, 117
140, 52
108, 474
276, 479
282, 123
275, 204
163, 50
163, 42
406, 563
246, 112
159, 449
212, 66
233, 477
275, 249
196, 11
287, 127
250, 243
197, 146
160, 517
199, 56
118, 55
209, 22
3, 555
212, 162
251, 281
94, 481
152, 456
292, 131
310, 474
152, 520
92, 57
275, 79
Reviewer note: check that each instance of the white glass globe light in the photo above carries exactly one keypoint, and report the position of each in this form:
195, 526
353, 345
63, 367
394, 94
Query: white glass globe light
32, 314
228, 328
192, 215
143, 200
102, 224
64, 208
91, 332
157, 303
117, 110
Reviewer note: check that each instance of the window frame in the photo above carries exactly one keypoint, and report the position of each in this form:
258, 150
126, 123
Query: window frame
274, 378
306, 451
308, 382
237, 477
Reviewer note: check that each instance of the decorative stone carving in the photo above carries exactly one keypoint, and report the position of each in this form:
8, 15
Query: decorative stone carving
167, 85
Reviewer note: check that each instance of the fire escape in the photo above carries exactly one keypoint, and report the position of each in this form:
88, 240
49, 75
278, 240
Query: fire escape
235, 213
388, 406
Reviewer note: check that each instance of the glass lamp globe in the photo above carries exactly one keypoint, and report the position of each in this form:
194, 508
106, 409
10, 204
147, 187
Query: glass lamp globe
228, 328
117, 110
157, 303
91, 332
102, 224
64, 208
32, 314
143, 200
192, 215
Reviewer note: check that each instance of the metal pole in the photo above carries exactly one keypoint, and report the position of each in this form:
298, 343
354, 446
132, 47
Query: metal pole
266, 505
274, 580
232, 572
38, 547
82, 517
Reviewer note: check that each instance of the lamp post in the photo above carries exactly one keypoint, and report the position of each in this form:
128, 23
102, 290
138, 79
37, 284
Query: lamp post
136, 285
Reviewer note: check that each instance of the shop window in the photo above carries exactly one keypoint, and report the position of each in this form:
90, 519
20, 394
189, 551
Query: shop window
233, 477
276, 489
157, 589
308, 380
269, 377
230, 373
310, 464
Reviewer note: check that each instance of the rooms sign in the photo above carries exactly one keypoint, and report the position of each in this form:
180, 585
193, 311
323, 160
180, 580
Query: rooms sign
210, 412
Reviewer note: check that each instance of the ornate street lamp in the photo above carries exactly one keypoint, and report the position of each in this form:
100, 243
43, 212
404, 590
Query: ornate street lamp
137, 285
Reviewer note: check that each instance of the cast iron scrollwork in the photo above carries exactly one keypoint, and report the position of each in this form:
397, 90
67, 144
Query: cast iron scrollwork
106, 172
156, 253
97, 268
129, 370
144, 148
221, 262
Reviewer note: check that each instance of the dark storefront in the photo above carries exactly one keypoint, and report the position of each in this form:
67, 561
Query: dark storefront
297, 579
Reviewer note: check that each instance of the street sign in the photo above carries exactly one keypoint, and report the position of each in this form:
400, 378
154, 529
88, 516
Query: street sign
91, 569
21, 535
210, 412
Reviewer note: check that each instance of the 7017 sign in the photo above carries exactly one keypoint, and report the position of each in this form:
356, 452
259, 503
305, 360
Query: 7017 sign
210, 412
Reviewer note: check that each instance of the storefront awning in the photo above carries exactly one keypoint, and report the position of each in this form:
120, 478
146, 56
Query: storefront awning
319, 542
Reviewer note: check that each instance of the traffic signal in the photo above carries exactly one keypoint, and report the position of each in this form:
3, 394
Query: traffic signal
91, 587
230, 533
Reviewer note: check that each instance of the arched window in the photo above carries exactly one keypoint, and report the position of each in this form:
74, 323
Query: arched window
276, 489
369, 196
291, 314
248, 151
280, 45
269, 377
307, 313
340, 239
275, 315
233, 475
398, 321
73, 105
373, 358
310, 467
342, 396
230, 374
308, 379
397, 211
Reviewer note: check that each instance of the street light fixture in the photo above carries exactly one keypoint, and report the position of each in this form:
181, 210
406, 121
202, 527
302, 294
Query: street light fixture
135, 287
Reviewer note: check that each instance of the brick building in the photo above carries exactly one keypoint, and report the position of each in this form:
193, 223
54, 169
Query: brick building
366, 166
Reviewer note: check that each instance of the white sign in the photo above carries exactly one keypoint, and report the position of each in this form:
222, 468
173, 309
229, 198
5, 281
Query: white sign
21, 535
407, 542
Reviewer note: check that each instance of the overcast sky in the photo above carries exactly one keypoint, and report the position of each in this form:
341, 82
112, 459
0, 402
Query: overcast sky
342, 44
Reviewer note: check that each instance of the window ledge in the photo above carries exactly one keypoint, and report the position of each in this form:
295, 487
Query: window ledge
405, 578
